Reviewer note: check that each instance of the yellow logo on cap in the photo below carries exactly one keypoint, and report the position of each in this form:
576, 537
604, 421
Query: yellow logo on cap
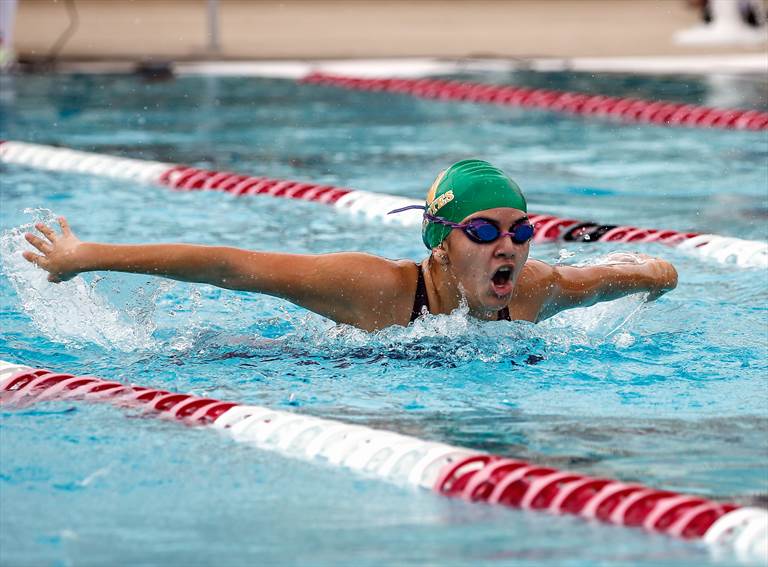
434, 205
433, 189
440, 202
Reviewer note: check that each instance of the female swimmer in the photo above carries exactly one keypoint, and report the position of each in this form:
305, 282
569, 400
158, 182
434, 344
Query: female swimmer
475, 226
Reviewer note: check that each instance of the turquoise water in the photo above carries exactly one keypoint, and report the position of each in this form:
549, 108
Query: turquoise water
670, 394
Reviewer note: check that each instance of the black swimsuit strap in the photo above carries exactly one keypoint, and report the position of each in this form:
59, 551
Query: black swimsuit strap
420, 301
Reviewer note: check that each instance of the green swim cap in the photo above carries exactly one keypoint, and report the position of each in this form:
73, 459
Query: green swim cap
466, 187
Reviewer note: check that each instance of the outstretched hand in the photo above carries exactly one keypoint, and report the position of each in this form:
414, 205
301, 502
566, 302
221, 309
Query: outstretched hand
660, 271
58, 254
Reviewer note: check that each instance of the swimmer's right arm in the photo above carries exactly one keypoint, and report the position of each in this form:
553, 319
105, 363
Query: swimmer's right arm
346, 287
64, 256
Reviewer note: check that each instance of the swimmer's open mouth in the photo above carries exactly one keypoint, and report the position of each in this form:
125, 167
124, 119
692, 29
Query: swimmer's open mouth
502, 276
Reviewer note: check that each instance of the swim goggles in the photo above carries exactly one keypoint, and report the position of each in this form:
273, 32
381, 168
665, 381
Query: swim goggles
480, 230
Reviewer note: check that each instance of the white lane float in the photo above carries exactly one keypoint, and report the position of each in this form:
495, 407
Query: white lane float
741, 532
372, 206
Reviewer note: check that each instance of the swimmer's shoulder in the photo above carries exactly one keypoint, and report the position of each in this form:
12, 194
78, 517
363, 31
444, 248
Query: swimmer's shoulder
533, 290
371, 271
383, 290
536, 273
406, 276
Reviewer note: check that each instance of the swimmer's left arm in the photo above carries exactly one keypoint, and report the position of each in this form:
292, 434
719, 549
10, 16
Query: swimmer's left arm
582, 286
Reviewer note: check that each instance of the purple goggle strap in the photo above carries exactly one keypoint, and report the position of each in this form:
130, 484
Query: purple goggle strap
438, 220
408, 208
430, 218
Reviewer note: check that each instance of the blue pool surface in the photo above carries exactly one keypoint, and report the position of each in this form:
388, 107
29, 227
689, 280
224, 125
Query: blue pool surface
671, 394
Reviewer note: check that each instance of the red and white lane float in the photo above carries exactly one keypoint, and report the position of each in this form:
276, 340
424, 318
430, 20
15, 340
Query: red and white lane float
450, 471
626, 109
373, 206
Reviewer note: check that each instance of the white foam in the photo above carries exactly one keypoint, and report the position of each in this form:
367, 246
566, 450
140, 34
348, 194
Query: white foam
70, 312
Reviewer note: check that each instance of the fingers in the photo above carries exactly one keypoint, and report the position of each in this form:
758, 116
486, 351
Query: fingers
41, 262
47, 231
65, 230
38, 243
35, 259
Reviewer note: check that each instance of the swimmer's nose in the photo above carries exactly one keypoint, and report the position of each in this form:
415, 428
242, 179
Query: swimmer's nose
505, 248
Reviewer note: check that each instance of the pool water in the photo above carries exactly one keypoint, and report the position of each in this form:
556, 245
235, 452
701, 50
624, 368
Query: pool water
671, 394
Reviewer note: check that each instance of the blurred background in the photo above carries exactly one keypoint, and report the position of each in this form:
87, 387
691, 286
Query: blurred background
311, 29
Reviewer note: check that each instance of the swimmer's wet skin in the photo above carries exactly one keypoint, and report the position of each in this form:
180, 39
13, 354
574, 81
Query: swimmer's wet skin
476, 229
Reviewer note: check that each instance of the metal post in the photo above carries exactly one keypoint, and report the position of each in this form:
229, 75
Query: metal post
213, 26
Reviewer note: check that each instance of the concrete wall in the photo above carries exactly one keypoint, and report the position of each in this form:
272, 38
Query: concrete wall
260, 29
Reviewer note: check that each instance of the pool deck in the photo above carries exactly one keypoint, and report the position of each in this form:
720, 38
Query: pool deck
602, 35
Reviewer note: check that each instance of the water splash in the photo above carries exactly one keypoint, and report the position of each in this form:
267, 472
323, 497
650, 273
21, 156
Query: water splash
432, 341
603, 321
73, 312
194, 330
598, 323
458, 338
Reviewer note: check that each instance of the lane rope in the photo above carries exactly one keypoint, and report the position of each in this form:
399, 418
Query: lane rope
630, 110
451, 471
371, 206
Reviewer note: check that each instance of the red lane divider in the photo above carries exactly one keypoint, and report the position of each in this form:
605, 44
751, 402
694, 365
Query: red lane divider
472, 476
548, 228
35, 385
518, 484
629, 109
192, 178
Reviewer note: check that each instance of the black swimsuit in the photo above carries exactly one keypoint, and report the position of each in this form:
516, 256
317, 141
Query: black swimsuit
421, 301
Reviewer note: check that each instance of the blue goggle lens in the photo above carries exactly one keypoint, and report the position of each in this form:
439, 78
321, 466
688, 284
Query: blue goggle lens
485, 232
522, 233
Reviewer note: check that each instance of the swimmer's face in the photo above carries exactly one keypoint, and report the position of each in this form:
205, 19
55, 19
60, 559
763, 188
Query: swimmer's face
488, 272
